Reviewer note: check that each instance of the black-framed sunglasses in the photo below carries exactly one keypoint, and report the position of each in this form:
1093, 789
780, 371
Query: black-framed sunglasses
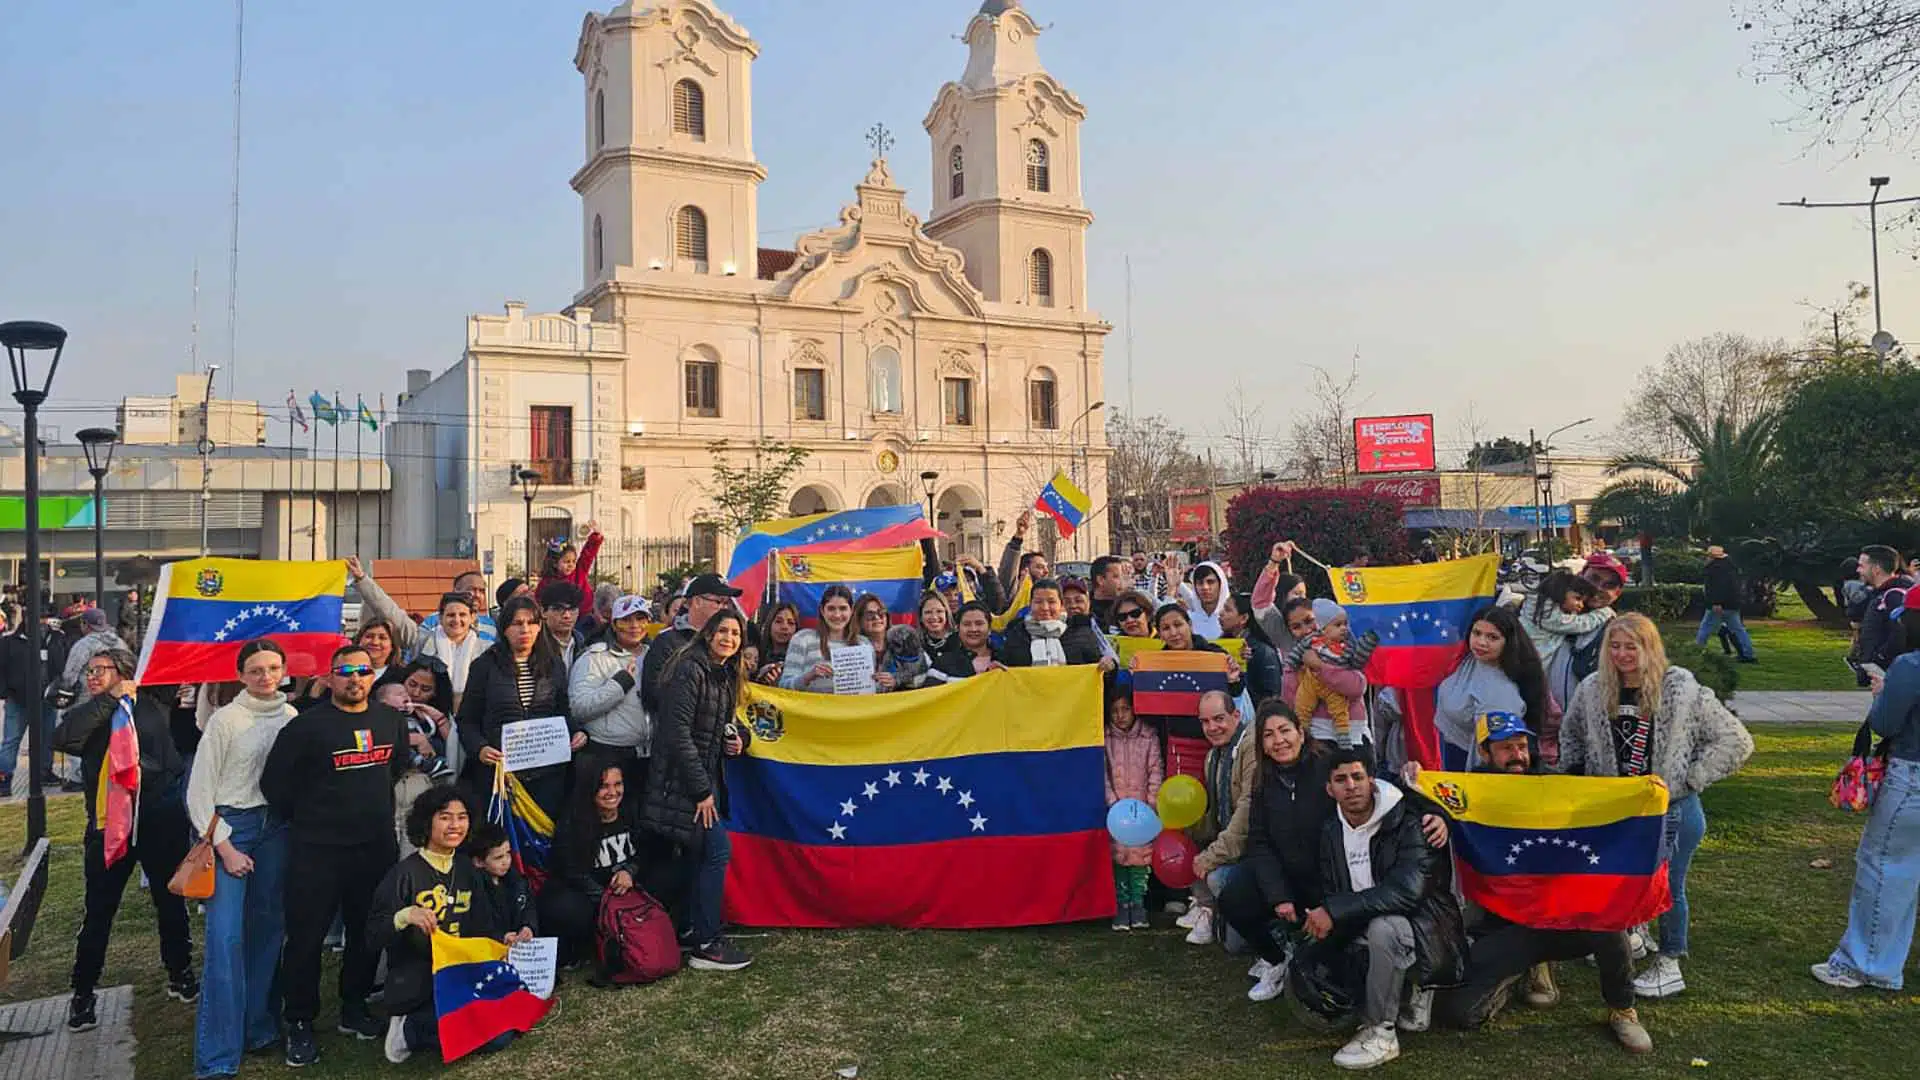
101, 672
1130, 613
345, 670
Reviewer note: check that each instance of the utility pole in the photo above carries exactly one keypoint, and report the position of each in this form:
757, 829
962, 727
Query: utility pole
1883, 342
205, 447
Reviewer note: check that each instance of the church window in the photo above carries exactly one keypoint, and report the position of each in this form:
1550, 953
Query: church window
599, 245
809, 393
957, 168
703, 385
690, 110
1043, 401
599, 119
883, 380
957, 398
690, 236
1039, 172
1040, 277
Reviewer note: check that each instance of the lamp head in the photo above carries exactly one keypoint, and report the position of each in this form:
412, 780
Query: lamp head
24, 341
928, 479
98, 443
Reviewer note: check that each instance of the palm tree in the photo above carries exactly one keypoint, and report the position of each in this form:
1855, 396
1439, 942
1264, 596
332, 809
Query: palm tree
1722, 497
1650, 508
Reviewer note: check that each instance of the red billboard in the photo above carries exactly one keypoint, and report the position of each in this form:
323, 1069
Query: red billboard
1412, 492
1389, 444
1191, 512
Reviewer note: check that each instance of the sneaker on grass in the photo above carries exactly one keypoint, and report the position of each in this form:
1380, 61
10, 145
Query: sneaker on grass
1661, 979
1138, 919
301, 1050
1417, 1014
397, 1049
1372, 1045
1838, 978
1272, 983
1202, 932
718, 955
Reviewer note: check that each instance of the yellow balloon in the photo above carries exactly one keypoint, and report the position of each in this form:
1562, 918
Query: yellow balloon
1183, 801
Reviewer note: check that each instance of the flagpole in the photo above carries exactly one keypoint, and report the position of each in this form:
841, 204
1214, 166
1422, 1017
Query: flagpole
333, 508
290, 480
380, 500
313, 490
359, 478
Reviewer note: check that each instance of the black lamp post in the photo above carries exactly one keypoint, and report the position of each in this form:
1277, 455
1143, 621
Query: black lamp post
927, 480
98, 442
29, 345
529, 489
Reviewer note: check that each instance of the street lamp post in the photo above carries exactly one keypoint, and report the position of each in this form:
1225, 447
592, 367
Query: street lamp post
927, 480
98, 443
1883, 342
1534, 446
25, 342
529, 489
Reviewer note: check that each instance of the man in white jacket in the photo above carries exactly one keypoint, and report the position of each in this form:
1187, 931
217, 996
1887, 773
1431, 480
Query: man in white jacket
602, 691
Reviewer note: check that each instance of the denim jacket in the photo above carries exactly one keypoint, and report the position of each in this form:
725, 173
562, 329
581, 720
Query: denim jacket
1895, 716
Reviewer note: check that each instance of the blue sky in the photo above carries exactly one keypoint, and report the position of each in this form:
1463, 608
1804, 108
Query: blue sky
1507, 205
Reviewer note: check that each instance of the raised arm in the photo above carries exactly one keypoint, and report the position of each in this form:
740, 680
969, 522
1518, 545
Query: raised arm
407, 634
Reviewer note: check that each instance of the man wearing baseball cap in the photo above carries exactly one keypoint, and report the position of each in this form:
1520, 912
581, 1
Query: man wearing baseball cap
706, 595
1503, 952
1609, 577
1723, 603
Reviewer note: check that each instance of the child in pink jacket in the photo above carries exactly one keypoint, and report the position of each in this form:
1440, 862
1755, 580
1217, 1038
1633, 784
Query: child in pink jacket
1134, 771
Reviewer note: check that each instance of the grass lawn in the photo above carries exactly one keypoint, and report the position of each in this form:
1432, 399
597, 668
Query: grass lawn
1796, 652
1081, 1001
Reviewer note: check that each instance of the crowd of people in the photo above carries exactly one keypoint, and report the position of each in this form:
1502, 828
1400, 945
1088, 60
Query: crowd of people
354, 806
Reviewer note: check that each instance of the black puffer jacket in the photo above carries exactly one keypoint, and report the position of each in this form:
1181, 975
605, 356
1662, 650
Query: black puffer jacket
1411, 878
1290, 806
493, 698
1080, 643
697, 701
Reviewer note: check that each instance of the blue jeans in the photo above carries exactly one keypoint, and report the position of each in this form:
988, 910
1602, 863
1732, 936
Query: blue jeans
1886, 882
709, 884
1217, 882
16, 732
1686, 826
1730, 617
240, 992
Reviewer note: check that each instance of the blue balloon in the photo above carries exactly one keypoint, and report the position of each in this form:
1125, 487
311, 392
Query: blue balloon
1132, 823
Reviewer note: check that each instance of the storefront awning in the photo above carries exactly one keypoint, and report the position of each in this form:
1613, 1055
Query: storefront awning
1467, 520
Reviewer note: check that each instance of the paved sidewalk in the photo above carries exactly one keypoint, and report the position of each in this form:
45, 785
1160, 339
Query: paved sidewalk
38, 1047
1801, 706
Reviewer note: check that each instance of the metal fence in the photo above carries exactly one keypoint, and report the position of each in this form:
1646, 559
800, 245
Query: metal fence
633, 563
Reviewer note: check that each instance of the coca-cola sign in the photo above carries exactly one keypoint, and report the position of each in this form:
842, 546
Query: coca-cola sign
1413, 492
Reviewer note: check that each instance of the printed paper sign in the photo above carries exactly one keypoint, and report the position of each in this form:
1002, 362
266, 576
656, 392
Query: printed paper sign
537, 961
530, 744
853, 668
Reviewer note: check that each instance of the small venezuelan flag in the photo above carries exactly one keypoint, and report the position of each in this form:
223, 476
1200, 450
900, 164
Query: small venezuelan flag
905, 809
1064, 502
118, 792
529, 830
1169, 683
477, 995
1558, 852
206, 609
893, 575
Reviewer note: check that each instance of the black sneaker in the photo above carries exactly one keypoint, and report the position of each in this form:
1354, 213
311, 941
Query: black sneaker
300, 1049
183, 987
356, 1021
718, 955
82, 1014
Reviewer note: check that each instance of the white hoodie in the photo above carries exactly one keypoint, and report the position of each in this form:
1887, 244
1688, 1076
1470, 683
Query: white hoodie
1359, 838
1206, 623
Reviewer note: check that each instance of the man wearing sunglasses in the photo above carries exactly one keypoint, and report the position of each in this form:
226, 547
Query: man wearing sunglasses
330, 774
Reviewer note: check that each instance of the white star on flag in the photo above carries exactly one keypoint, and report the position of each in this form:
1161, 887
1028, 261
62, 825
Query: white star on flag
1593, 860
920, 777
847, 808
966, 799
837, 831
893, 777
291, 625
871, 791
219, 635
979, 823
945, 785
1511, 860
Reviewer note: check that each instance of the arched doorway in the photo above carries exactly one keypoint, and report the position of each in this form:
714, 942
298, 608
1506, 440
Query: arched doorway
960, 512
886, 495
813, 499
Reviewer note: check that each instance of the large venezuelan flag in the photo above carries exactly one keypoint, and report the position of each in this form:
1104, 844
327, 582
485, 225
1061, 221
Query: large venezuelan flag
893, 575
1422, 614
1558, 852
206, 609
975, 804
841, 530
477, 994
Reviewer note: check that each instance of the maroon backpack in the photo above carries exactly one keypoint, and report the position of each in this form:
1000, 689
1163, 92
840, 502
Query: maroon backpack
635, 938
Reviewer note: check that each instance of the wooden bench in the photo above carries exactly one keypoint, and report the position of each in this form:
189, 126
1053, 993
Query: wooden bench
23, 906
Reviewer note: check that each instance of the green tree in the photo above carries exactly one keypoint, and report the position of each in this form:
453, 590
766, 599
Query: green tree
1649, 508
1501, 451
741, 494
1850, 438
1725, 494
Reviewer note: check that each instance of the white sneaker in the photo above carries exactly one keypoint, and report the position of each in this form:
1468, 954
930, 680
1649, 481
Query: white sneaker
1417, 1013
1640, 941
1202, 932
1836, 978
1259, 969
1373, 1045
1273, 983
397, 1050
1661, 979
1185, 922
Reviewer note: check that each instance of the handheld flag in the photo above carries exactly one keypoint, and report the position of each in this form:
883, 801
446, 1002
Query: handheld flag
1017, 608
893, 575
1064, 502
840, 531
116, 797
323, 409
295, 413
365, 415
204, 610
864, 811
1169, 683
1125, 648
529, 830
1558, 852
1422, 615
477, 995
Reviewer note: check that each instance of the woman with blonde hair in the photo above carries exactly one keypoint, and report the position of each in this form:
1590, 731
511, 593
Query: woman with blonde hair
1639, 716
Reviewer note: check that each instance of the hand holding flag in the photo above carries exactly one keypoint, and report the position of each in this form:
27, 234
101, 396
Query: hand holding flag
1064, 502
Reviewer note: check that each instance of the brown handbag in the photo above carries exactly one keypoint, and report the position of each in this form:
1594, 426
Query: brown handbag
193, 878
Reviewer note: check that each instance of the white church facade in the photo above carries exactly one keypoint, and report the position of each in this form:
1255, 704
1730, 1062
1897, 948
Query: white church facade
959, 354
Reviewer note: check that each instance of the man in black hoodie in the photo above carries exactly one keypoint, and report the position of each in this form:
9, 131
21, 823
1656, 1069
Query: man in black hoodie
330, 774
1723, 604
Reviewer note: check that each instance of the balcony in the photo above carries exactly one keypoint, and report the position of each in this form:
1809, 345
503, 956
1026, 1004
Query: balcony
567, 472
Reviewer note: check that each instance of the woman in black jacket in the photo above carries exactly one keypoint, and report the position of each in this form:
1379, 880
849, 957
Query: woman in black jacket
686, 795
1263, 660
159, 841
938, 634
519, 677
973, 629
595, 850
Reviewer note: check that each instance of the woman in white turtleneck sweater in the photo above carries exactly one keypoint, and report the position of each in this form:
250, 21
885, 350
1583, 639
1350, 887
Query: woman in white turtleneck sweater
244, 925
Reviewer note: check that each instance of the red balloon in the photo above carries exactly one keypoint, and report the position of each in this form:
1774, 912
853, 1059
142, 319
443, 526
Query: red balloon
1173, 852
